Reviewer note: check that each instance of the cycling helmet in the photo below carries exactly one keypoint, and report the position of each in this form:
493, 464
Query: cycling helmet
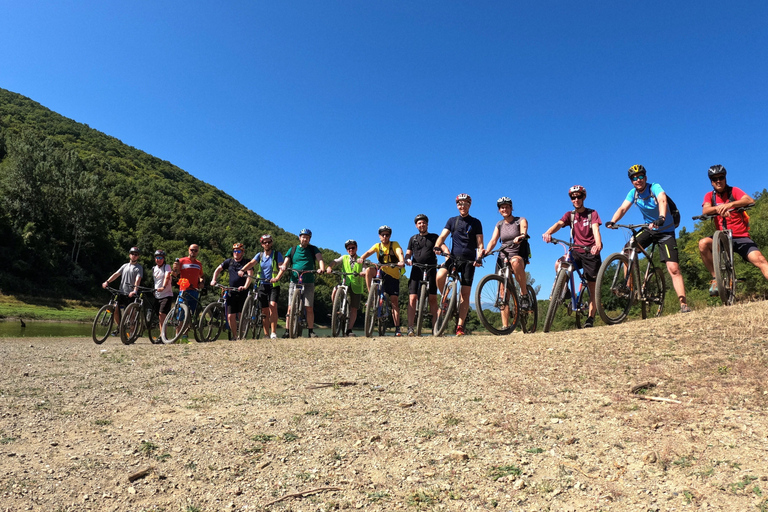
349, 242
264, 238
577, 189
419, 217
716, 170
502, 201
636, 169
160, 252
385, 229
464, 197
135, 250
306, 231
238, 246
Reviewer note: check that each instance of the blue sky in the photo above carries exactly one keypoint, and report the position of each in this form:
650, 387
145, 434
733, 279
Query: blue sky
362, 113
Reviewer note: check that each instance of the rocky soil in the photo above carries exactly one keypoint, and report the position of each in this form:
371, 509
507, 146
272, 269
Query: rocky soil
522, 422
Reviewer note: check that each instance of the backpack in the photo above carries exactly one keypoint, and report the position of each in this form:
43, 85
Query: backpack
670, 203
731, 199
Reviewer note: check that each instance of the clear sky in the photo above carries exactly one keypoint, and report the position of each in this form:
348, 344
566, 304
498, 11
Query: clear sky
353, 114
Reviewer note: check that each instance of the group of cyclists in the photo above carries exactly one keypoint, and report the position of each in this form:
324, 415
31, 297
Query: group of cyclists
466, 252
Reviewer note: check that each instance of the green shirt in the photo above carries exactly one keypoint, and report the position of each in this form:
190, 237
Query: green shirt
303, 259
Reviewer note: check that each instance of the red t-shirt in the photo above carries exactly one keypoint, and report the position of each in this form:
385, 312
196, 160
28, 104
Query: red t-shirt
192, 270
582, 231
737, 222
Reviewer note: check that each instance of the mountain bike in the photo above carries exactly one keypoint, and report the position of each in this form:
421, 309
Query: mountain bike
497, 302
179, 320
422, 302
377, 308
564, 289
105, 318
619, 284
138, 317
340, 310
722, 257
214, 317
252, 318
297, 310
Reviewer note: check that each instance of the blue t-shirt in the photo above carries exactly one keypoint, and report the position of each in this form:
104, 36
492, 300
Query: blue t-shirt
265, 263
649, 206
464, 231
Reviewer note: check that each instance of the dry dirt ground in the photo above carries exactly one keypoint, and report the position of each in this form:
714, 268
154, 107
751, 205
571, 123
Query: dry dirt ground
523, 422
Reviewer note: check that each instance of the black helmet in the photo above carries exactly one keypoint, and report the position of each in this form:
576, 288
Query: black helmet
160, 252
385, 229
349, 242
636, 169
503, 200
716, 170
419, 217
135, 250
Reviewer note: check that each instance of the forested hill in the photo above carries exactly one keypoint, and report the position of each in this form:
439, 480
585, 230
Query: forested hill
74, 200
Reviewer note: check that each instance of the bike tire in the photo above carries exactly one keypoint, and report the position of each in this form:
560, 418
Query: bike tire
615, 289
446, 307
295, 321
247, 318
259, 319
725, 275
130, 324
555, 298
383, 316
490, 300
211, 322
176, 323
339, 317
102, 324
529, 319
370, 311
422, 304
582, 307
654, 291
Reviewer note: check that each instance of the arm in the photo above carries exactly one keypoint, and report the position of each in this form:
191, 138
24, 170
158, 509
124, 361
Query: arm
248, 266
598, 239
110, 279
286, 263
493, 240
216, 275
319, 258
480, 251
723, 209
166, 280
523, 231
136, 284
623, 209
365, 255
400, 257
662, 199
441, 239
547, 236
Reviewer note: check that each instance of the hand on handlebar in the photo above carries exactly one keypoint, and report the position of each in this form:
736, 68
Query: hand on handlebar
610, 224
546, 237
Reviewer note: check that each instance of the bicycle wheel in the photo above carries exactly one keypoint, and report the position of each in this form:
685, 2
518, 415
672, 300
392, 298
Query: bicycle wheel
445, 307
529, 318
724, 272
258, 317
130, 323
370, 310
295, 320
582, 306
422, 305
492, 298
152, 322
176, 323
247, 319
102, 324
211, 322
339, 313
653, 294
615, 289
556, 298
382, 314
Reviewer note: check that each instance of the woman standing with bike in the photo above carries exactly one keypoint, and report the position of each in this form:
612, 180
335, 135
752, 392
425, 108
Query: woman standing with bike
269, 290
163, 290
585, 231
387, 252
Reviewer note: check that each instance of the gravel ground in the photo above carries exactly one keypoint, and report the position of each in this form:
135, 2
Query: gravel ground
522, 422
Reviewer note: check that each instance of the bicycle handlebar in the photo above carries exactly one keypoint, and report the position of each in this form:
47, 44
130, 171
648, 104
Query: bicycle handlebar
568, 244
713, 215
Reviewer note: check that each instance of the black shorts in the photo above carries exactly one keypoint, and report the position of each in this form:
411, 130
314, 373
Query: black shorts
353, 299
235, 301
164, 305
666, 242
466, 270
391, 285
268, 293
589, 262
744, 246
123, 300
417, 274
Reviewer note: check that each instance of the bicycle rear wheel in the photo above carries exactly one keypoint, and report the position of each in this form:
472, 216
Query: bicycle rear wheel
724, 271
295, 320
176, 323
130, 324
615, 289
422, 305
654, 291
493, 301
445, 307
529, 318
339, 313
370, 310
211, 322
102, 324
555, 298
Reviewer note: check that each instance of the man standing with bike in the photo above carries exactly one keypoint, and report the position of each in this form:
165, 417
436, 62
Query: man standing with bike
387, 251
303, 257
235, 299
421, 250
269, 289
654, 206
466, 253
130, 274
720, 201
191, 269
585, 231
350, 266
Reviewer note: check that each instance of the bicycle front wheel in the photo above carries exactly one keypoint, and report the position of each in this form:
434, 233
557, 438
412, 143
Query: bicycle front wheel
615, 289
102, 324
582, 306
339, 313
529, 318
176, 323
445, 307
421, 307
382, 315
130, 324
247, 319
370, 310
725, 275
653, 293
295, 321
555, 298
496, 305
211, 322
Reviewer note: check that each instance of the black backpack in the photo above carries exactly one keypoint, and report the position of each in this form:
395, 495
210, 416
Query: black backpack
670, 203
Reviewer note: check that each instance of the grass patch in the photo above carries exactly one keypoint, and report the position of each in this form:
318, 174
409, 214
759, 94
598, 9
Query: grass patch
289, 437
147, 447
534, 450
497, 472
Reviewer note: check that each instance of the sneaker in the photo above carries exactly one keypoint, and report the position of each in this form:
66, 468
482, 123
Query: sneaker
684, 308
397, 332
460, 330
411, 332
351, 334
713, 291
312, 334
590, 322
114, 333
525, 303
286, 334
273, 336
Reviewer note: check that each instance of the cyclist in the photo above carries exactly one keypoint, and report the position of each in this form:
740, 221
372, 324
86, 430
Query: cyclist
235, 299
654, 206
387, 252
720, 201
421, 249
466, 243
349, 265
585, 230
130, 275
191, 269
303, 257
162, 275
269, 292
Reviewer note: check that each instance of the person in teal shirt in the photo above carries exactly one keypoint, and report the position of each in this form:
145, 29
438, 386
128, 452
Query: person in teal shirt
349, 265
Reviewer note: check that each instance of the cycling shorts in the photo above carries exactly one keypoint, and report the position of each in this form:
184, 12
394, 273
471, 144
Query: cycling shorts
391, 285
123, 300
164, 305
235, 301
743, 246
268, 294
666, 242
417, 274
589, 262
466, 270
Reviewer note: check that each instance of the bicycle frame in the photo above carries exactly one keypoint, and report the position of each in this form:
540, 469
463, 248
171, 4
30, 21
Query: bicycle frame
569, 266
297, 323
377, 299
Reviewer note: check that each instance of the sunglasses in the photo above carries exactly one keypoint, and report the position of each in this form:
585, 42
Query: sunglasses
638, 177
237, 251
159, 257
193, 250
577, 196
268, 242
718, 178
133, 253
